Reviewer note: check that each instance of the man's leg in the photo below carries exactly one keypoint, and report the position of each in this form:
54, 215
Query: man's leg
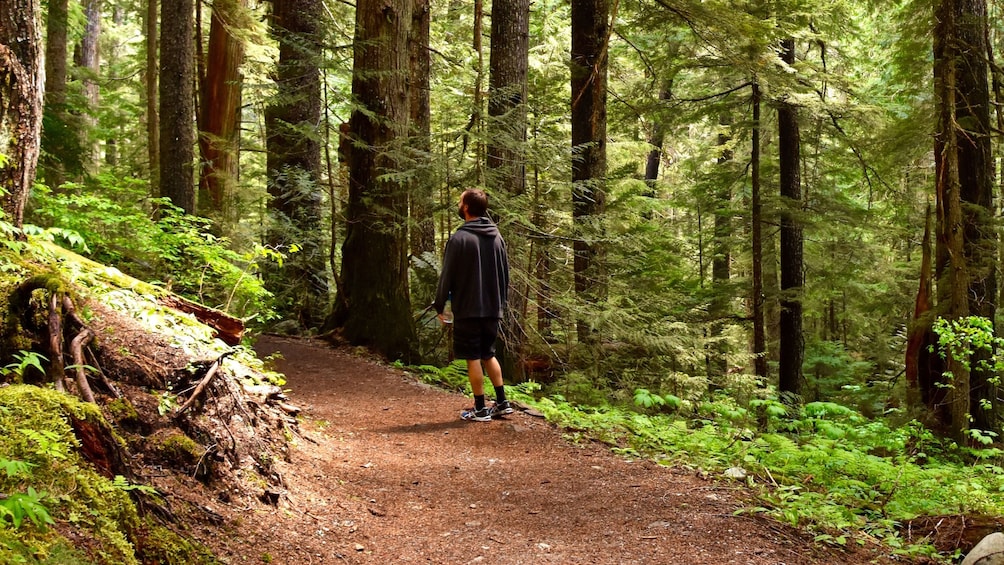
477, 376
494, 370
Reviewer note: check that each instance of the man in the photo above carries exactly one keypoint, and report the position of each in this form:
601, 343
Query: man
475, 279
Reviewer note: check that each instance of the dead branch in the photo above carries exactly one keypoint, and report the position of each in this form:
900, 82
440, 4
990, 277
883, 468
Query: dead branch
201, 387
104, 378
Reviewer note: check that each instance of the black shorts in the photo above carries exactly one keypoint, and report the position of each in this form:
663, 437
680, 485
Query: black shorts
474, 338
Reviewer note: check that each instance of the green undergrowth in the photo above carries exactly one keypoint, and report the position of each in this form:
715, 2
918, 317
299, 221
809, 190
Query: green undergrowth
823, 467
53, 495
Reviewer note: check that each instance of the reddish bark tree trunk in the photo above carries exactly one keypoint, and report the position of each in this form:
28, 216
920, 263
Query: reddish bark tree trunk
219, 120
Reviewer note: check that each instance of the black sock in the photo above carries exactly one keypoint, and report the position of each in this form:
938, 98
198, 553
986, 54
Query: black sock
500, 394
479, 401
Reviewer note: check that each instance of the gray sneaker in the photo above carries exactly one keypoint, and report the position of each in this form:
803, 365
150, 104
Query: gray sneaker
472, 415
500, 409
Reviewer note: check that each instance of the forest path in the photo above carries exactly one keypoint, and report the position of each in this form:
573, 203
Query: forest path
387, 473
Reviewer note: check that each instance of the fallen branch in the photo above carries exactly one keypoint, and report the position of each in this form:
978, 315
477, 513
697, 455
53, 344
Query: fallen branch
104, 378
201, 387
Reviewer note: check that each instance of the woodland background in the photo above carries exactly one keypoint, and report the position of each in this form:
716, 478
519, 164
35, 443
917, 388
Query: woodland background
696, 196
775, 202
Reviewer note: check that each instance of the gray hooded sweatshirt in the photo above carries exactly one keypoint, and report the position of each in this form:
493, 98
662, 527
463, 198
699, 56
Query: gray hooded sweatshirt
475, 275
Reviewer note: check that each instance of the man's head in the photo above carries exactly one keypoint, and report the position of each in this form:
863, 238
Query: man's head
473, 202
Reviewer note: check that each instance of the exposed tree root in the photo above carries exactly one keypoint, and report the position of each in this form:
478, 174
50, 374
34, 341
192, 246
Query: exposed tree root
62, 318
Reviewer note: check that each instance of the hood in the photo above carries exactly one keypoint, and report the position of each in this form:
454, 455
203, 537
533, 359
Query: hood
483, 227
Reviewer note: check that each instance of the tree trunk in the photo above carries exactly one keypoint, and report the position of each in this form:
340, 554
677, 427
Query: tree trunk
423, 226
21, 93
151, 75
219, 123
90, 61
507, 90
112, 141
965, 262
656, 139
589, 153
375, 309
792, 276
177, 126
55, 131
294, 164
721, 260
976, 180
506, 158
923, 366
756, 232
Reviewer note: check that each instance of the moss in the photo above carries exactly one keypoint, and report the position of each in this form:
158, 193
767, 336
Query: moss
123, 412
161, 545
43, 548
37, 430
181, 450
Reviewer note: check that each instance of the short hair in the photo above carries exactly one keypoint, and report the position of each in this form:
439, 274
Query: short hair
476, 201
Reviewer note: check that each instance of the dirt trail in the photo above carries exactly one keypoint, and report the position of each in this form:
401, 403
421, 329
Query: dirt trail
387, 473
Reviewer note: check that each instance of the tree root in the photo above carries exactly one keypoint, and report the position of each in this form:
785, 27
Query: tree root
62, 317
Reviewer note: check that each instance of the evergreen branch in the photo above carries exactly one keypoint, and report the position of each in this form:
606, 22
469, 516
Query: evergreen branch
721, 94
641, 53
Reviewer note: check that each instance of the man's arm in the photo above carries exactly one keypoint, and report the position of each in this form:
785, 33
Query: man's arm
445, 281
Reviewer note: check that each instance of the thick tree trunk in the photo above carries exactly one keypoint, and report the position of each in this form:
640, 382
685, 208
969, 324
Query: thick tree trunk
177, 103
294, 163
219, 120
792, 276
151, 76
507, 90
951, 267
375, 308
22, 80
976, 180
965, 261
506, 159
590, 29
756, 232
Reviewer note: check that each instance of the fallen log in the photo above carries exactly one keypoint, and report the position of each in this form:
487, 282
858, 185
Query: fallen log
228, 328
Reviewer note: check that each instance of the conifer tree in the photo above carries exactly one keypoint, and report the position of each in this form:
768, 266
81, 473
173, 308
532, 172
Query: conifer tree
374, 308
177, 114
219, 114
294, 163
792, 276
21, 93
590, 39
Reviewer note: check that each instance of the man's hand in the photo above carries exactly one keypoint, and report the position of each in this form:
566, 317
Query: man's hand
444, 318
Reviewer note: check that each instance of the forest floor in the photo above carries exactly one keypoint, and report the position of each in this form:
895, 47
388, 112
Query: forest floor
386, 472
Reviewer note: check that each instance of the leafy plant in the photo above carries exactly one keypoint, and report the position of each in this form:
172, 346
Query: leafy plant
24, 360
27, 505
123, 484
